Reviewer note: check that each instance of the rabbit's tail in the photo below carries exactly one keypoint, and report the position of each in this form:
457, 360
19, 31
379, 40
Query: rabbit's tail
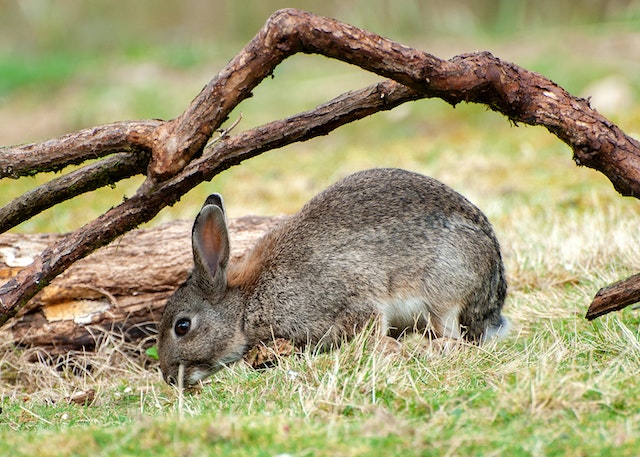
481, 316
497, 331
498, 325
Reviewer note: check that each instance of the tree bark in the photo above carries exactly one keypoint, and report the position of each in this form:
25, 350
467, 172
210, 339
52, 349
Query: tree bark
176, 158
121, 288
615, 297
76, 148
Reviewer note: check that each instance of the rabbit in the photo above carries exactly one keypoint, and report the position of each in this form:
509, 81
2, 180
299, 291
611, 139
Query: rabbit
384, 244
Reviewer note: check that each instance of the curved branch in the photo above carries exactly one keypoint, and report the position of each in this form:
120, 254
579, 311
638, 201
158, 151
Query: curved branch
91, 177
150, 199
75, 148
285, 33
522, 95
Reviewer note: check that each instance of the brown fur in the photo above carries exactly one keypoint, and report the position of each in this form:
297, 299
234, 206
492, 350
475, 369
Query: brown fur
383, 243
245, 273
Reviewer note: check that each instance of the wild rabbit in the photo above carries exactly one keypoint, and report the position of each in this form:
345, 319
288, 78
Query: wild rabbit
384, 243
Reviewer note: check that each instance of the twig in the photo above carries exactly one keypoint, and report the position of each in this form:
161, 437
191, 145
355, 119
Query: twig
225, 132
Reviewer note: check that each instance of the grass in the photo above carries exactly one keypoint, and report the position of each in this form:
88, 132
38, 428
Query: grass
557, 385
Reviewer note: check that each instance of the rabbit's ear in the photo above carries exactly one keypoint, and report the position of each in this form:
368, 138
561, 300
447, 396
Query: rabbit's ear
214, 199
210, 241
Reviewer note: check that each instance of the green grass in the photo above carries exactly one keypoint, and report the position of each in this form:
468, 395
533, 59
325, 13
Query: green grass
559, 388
557, 385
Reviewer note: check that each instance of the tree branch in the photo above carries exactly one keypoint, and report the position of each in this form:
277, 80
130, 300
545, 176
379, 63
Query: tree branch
615, 297
149, 200
521, 95
75, 148
91, 177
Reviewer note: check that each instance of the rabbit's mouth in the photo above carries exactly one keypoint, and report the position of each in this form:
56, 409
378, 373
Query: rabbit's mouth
200, 372
187, 376
191, 374
203, 371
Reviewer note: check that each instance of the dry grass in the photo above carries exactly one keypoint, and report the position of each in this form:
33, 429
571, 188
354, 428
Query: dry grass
33, 376
556, 384
554, 368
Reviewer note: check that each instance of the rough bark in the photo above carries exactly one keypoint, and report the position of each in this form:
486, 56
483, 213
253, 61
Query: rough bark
178, 159
103, 173
615, 297
75, 148
121, 288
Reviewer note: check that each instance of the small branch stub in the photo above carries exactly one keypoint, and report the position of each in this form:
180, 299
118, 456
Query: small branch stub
615, 297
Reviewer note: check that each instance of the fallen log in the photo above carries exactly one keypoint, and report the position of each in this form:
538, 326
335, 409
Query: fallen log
120, 288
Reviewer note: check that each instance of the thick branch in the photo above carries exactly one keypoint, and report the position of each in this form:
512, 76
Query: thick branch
149, 201
615, 297
91, 177
521, 95
75, 148
285, 33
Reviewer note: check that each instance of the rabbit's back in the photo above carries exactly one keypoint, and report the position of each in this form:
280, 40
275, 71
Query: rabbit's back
382, 242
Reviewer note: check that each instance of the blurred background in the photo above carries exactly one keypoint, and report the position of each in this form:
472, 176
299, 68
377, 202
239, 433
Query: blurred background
67, 65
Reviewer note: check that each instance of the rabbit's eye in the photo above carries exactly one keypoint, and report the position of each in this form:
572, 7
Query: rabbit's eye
182, 327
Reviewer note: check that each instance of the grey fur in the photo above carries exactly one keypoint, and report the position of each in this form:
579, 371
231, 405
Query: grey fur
381, 243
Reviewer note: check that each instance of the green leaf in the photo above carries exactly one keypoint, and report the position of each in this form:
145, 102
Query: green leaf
152, 352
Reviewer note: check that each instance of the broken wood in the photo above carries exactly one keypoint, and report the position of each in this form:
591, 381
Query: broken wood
176, 159
615, 297
121, 288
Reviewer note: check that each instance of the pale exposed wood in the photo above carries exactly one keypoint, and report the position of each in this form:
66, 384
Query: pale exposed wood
122, 287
